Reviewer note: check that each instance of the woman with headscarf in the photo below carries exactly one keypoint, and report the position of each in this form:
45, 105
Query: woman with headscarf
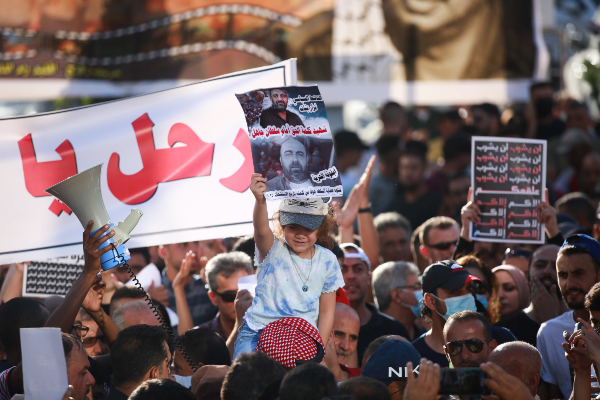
510, 296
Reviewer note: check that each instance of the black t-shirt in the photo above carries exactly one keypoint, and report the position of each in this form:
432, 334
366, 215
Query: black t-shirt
116, 395
522, 326
379, 325
553, 130
4, 365
421, 210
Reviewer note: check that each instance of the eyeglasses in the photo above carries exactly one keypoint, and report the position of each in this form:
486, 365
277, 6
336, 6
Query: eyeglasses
473, 345
80, 330
416, 286
227, 296
443, 245
478, 287
91, 341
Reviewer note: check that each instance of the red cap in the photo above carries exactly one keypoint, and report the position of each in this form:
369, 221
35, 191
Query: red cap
341, 296
289, 340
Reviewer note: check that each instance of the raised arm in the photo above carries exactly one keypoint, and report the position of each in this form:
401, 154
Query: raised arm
182, 279
92, 304
366, 227
263, 236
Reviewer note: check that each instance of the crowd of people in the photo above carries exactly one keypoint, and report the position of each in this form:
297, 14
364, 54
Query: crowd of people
374, 296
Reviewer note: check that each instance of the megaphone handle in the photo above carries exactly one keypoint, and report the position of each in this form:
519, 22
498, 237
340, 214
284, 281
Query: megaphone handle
165, 326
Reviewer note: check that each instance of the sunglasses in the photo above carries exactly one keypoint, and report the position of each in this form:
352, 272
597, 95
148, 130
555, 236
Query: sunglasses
80, 330
442, 245
473, 345
227, 296
91, 341
416, 286
478, 287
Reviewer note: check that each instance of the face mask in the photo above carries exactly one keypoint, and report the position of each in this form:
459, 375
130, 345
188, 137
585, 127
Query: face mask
457, 304
482, 298
416, 310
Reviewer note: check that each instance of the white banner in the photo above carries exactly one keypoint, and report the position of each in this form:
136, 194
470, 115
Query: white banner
182, 156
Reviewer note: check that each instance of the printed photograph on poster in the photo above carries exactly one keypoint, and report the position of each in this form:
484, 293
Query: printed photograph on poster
51, 277
291, 142
508, 177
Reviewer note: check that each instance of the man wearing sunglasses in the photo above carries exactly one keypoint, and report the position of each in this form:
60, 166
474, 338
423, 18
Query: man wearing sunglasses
439, 237
222, 274
468, 337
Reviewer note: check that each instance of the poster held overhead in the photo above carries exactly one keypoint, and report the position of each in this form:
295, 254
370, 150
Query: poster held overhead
291, 142
508, 177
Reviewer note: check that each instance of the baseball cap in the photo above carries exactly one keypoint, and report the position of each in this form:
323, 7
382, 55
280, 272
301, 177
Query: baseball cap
584, 242
516, 252
291, 342
446, 275
306, 212
572, 138
360, 253
388, 362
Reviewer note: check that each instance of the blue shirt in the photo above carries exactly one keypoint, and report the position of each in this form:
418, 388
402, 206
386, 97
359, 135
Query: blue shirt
279, 291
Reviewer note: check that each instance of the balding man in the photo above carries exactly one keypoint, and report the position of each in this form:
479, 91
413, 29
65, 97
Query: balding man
294, 162
346, 325
278, 115
134, 313
520, 360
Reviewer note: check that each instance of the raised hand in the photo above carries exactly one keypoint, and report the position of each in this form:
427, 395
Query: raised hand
469, 213
258, 186
185, 274
427, 385
243, 301
577, 357
588, 342
93, 299
546, 304
547, 215
91, 244
358, 197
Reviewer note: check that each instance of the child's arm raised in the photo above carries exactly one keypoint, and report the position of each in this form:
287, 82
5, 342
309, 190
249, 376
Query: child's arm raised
263, 236
326, 315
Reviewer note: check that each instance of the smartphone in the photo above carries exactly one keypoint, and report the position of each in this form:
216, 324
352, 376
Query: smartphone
463, 381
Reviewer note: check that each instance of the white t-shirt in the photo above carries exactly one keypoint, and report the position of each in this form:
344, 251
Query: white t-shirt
279, 291
555, 367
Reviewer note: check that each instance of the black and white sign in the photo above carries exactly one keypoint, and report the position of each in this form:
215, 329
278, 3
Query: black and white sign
51, 277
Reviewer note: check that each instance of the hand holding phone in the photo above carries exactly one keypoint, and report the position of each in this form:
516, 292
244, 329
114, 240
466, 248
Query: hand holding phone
463, 381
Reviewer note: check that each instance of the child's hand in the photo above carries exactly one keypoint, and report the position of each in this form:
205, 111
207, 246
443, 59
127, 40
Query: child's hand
258, 187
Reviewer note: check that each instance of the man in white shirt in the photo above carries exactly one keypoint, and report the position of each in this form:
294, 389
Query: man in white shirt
578, 269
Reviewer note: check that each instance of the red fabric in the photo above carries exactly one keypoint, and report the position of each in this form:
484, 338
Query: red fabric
341, 296
352, 372
289, 339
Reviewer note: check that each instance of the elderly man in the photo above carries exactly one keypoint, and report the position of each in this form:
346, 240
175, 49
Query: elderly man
521, 360
394, 237
346, 327
277, 115
468, 337
294, 162
397, 293
439, 237
222, 273
134, 313
356, 271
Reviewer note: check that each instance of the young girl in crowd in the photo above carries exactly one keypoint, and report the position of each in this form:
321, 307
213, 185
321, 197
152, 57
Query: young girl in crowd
297, 273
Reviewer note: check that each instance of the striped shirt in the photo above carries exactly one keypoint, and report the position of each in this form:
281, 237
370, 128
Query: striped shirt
5, 393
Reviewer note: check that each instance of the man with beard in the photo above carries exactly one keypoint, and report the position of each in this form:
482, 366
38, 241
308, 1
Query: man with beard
468, 338
294, 162
546, 298
277, 115
578, 269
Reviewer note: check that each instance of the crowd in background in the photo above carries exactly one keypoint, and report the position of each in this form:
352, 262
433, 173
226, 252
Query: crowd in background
418, 290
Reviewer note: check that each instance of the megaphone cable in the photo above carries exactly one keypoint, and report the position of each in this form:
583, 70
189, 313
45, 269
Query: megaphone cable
165, 326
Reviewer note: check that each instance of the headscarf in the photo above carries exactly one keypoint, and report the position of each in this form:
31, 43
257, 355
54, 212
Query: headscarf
520, 281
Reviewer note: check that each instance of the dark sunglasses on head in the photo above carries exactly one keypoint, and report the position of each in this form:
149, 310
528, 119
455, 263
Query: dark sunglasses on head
227, 296
442, 245
473, 345
91, 341
478, 287
80, 330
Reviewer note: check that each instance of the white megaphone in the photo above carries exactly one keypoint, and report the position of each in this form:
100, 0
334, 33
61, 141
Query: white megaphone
82, 194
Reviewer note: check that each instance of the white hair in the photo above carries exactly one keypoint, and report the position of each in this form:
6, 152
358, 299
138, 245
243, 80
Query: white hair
138, 306
388, 276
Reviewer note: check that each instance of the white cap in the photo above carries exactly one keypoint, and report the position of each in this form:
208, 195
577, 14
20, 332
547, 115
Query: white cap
360, 253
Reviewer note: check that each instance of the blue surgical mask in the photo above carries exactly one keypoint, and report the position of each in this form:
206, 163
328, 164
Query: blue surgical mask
416, 310
482, 298
457, 304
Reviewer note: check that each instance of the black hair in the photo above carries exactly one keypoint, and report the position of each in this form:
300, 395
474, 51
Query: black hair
539, 85
246, 245
392, 219
135, 351
417, 149
426, 311
18, 313
364, 388
69, 343
456, 145
572, 250
205, 346
163, 311
465, 316
577, 205
388, 148
451, 115
161, 389
143, 251
592, 299
253, 376
337, 250
126, 292
488, 108
308, 382
390, 112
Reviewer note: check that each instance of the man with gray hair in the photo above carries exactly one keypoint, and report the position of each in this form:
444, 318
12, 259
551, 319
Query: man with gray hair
394, 237
520, 360
397, 293
134, 313
222, 274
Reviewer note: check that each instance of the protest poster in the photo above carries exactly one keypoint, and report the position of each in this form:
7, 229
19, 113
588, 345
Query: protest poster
181, 156
51, 277
291, 141
508, 179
